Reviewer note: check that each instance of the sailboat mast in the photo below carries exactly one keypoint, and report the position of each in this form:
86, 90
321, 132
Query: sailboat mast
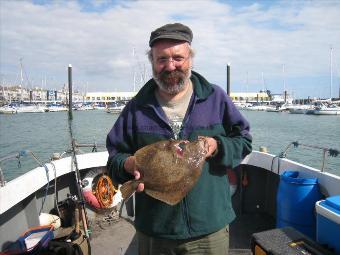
134, 69
284, 78
331, 72
284, 84
21, 79
3, 92
134, 81
247, 84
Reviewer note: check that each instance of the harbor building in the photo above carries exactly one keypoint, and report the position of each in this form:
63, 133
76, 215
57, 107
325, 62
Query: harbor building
262, 96
239, 97
9, 94
108, 97
242, 97
18, 94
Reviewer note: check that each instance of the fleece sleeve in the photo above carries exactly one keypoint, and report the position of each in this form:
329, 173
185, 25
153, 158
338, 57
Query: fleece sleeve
118, 144
237, 141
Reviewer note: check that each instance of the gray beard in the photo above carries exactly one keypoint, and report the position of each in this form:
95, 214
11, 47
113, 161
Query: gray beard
172, 89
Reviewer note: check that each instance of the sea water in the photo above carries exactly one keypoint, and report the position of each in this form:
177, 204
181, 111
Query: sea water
48, 133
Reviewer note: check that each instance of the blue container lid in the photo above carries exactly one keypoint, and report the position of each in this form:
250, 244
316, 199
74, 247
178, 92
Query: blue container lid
292, 177
334, 202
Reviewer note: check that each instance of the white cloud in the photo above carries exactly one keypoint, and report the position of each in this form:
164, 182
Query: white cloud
255, 38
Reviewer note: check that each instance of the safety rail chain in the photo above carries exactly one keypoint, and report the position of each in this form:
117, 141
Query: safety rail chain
331, 152
20, 154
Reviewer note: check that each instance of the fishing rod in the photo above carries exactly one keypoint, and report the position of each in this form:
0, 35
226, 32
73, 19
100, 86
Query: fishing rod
81, 200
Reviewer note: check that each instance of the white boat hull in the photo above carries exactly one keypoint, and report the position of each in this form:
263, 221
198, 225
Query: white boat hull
57, 109
8, 110
326, 112
297, 111
31, 109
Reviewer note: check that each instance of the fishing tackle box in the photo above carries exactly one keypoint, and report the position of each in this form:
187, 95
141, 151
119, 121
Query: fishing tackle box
285, 241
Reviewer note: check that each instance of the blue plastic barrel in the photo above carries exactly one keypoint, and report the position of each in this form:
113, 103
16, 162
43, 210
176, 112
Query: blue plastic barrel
296, 198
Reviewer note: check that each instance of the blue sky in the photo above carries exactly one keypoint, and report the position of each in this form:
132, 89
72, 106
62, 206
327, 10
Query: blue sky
106, 41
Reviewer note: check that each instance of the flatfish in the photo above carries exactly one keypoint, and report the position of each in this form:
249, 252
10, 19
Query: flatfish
169, 169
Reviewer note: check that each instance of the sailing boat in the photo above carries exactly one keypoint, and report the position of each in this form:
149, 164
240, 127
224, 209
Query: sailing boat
323, 109
330, 109
26, 108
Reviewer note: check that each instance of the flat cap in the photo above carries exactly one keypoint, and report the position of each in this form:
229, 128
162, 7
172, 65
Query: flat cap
176, 31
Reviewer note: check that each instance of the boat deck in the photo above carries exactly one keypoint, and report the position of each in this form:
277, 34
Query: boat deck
242, 228
119, 238
114, 238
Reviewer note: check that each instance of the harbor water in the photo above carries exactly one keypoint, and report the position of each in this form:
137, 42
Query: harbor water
48, 133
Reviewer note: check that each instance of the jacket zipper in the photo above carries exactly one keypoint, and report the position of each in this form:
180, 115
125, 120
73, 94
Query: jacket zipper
185, 209
163, 119
186, 215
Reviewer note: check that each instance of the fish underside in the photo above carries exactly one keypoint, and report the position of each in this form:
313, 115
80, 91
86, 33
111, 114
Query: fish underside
169, 169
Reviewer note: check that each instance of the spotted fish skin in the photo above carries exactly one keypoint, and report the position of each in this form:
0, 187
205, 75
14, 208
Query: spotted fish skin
169, 169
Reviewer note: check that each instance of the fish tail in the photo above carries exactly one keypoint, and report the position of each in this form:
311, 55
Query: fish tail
128, 189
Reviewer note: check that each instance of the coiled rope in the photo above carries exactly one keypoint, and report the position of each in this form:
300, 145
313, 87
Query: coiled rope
105, 191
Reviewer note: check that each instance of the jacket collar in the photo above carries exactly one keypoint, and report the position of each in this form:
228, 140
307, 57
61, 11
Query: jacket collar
202, 89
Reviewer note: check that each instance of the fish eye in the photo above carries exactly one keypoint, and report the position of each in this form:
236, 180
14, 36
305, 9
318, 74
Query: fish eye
182, 145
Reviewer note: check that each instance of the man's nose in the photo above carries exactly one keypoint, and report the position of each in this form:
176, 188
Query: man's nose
170, 65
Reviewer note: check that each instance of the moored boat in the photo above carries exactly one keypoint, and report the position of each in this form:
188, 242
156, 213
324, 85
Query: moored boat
8, 109
256, 107
327, 110
99, 106
56, 108
31, 108
83, 107
300, 109
115, 107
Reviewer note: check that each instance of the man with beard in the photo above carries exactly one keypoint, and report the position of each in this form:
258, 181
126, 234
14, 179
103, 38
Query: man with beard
178, 103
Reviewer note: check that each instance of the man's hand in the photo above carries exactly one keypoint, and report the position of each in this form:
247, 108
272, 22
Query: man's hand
211, 145
130, 167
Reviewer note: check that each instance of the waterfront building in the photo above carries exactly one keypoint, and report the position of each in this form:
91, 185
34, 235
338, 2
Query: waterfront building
108, 97
265, 97
37, 95
9, 94
242, 97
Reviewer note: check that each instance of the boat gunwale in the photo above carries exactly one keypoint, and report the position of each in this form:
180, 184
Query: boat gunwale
36, 178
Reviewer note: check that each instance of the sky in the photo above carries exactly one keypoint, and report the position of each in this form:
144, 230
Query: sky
274, 45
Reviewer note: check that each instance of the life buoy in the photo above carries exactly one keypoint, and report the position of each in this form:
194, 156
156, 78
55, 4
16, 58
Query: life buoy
232, 181
98, 190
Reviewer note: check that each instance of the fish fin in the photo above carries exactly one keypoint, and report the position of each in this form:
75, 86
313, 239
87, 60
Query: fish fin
128, 189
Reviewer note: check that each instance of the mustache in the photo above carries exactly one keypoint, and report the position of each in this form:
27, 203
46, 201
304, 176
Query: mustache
169, 75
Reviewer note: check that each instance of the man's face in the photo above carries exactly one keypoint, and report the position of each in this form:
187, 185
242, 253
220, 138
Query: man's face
171, 65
